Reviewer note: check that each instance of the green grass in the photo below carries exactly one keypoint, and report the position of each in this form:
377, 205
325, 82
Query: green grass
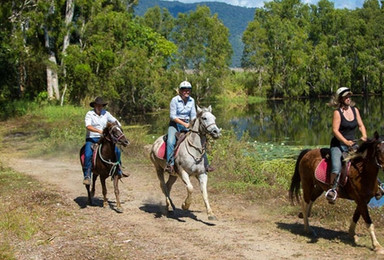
24, 203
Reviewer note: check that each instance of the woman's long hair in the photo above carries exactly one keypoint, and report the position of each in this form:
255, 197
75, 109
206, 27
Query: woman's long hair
337, 102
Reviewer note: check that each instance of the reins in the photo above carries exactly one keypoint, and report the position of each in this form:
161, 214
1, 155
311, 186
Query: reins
201, 150
114, 164
114, 140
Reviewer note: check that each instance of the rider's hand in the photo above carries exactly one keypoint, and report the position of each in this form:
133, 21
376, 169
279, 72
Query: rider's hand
349, 143
363, 138
186, 125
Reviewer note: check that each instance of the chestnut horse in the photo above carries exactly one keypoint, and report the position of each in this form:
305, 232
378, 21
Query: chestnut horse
105, 164
361, 185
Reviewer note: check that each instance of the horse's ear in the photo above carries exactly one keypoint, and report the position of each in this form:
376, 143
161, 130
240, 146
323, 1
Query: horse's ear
376, 135
198, 109
210, 109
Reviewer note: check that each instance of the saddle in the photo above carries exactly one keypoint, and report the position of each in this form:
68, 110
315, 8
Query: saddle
162, 151
82, 154
324, 175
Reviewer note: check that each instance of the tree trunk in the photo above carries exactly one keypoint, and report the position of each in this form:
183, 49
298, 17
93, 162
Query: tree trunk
69, 10
52, 78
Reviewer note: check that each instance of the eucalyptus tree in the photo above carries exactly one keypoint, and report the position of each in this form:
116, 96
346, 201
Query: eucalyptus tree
160, 20
203, 48
369, 66
323, 28
276, 47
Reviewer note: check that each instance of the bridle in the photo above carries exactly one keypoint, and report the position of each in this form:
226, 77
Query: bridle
204, 130
114, 139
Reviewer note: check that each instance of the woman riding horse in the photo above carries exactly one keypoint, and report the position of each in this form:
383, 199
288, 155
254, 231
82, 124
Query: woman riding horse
182, 111
361, 186
346, 118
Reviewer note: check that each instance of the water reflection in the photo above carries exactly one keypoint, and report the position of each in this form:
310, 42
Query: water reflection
292, 122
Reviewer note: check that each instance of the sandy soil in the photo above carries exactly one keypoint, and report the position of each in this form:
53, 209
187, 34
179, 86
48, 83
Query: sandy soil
243, 230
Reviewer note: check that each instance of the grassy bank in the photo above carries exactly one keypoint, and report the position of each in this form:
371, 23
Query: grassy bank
257, 172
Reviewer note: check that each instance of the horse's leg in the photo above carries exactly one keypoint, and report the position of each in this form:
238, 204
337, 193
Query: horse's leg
187, 202
363, 208
203, 180
306, 208
89, 195
118, 209
104, 189
169, 204
94, 178
352, 227
171, 180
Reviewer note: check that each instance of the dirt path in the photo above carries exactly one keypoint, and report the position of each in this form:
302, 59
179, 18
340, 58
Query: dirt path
143, 231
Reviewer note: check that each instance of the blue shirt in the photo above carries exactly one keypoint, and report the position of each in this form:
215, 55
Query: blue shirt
98, 121
181, 110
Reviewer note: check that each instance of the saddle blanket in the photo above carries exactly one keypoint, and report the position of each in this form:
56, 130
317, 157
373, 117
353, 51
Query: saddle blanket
162, 151
323, 172
82, 154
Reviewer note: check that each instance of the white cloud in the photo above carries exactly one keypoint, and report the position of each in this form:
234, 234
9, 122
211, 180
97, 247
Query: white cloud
260, 3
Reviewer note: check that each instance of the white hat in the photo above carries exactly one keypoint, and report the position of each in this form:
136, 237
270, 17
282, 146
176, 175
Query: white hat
343, 91
185, 84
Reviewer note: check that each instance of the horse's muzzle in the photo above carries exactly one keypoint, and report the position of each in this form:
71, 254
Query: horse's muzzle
124, 142
215, 133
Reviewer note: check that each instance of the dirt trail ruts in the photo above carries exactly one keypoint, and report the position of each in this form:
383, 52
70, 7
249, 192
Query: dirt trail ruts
243, 230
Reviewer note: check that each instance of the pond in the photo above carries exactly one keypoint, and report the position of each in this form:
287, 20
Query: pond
304, 122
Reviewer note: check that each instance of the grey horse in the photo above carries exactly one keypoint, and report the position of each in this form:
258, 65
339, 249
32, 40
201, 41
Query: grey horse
189, 160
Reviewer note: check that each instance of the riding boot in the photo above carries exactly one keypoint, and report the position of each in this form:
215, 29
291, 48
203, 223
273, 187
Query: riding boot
87, 177
331, 194
121, 173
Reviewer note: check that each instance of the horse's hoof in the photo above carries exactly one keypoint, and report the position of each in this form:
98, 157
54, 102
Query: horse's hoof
185, 207
300, 215
379, 251
212, 218
119, 210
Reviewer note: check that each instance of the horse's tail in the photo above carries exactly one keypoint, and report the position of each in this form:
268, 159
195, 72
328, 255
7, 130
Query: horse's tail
294, 190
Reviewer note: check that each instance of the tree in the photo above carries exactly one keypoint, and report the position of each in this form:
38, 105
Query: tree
204, 48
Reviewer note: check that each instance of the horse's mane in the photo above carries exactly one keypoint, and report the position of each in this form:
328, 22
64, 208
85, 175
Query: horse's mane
106, 131
203, 109
361, 151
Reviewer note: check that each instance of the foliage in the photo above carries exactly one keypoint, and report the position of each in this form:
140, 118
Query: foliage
235, 18
295, 49
204, 48
255, 164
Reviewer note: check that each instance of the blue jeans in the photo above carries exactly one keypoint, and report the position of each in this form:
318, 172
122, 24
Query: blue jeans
88, 152
171, 141
336, 157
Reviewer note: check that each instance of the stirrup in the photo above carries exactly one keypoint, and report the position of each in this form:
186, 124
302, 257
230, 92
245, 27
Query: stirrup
380, 192
331, 195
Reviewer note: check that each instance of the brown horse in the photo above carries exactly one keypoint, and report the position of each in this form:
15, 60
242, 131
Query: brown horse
106, 163
361, 186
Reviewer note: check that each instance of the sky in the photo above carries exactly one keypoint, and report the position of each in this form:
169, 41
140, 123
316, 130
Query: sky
350, 4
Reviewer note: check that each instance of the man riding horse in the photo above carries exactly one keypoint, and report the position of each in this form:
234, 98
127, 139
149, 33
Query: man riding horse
95, 122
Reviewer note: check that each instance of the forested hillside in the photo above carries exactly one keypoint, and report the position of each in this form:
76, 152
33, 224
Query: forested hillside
236, 18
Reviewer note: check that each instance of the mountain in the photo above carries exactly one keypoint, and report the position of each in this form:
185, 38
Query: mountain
235, 18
